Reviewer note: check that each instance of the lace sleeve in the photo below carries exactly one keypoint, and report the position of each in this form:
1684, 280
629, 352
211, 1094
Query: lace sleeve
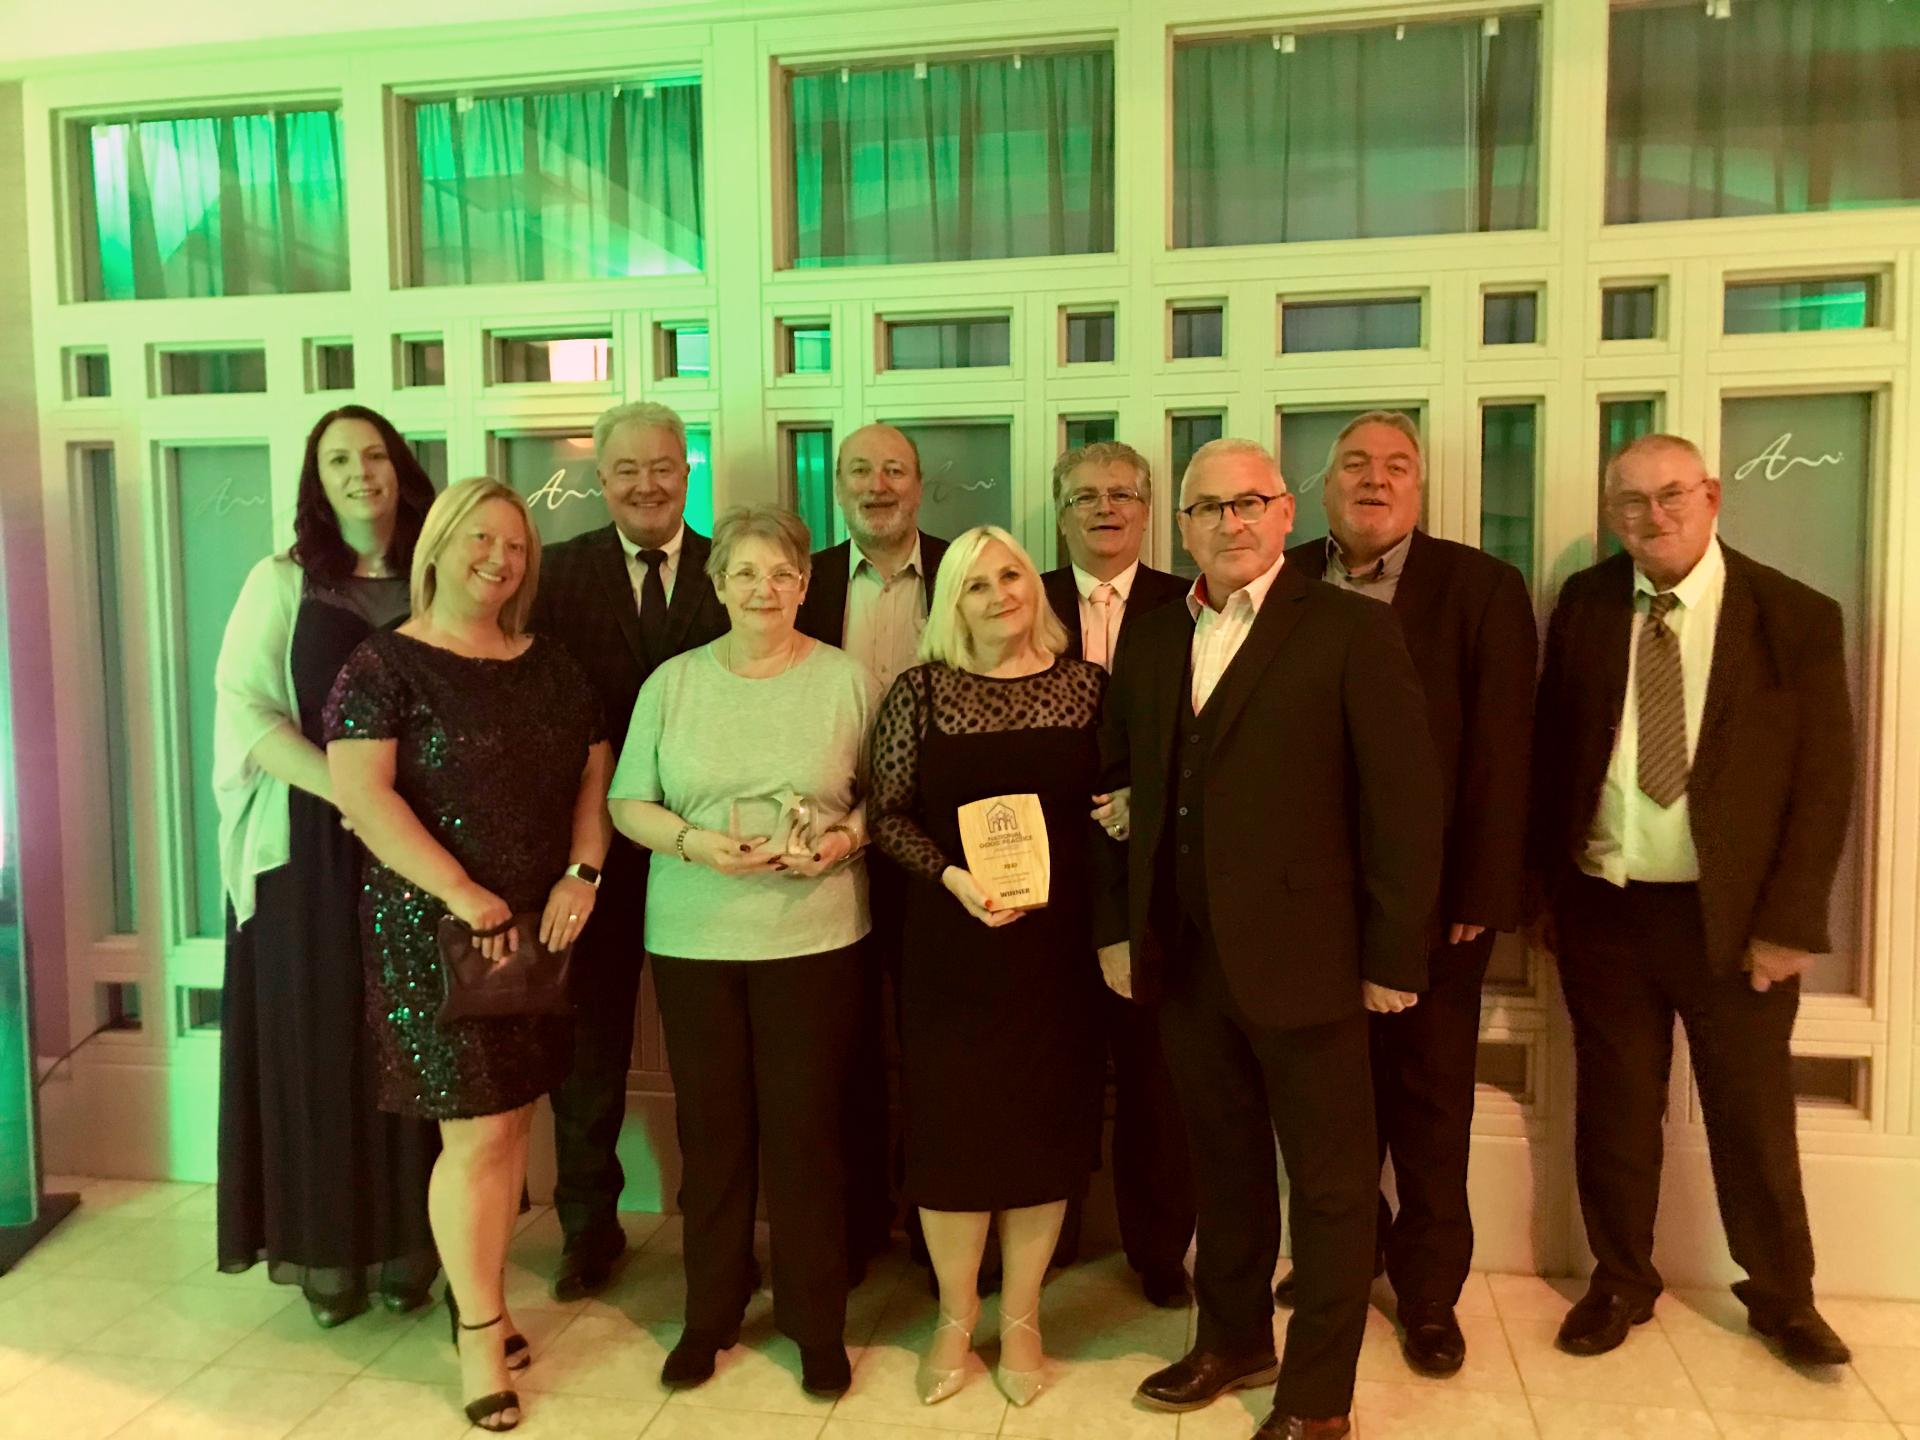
894, 767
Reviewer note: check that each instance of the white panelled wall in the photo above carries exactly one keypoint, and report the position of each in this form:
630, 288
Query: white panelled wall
142, 1102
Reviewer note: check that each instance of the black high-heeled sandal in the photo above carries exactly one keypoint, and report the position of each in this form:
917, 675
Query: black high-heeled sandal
489, 1407
519, 1354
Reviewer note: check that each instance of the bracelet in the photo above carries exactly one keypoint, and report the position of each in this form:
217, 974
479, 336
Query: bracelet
680, 843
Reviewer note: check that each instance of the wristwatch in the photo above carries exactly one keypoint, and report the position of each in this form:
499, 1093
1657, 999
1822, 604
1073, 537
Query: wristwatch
580, 870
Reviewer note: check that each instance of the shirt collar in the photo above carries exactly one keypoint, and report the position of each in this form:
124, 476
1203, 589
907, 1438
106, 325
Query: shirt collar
672, 547
1122, 583
1700, 580
1255, 590
1387, 567
857, 561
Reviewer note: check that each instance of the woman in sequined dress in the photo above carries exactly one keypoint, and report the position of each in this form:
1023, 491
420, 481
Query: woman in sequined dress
472, 759
313, 1178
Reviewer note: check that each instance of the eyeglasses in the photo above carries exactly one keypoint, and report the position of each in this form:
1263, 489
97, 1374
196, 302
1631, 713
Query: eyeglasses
1090, 499
1208, 513
1671, 501
748, 578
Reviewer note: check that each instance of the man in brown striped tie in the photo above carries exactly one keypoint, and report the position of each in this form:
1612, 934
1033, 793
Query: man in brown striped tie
1693, 771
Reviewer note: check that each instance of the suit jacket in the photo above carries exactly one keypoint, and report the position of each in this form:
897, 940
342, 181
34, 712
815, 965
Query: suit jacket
1771, 785
585, 601
1322, 805
1151, 589
1468, 622
823, 614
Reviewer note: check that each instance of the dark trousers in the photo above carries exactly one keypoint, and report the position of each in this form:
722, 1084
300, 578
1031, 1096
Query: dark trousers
1423, 1089
758, 1050
590, 1105
1630, 961
1240, 1086
867, 1117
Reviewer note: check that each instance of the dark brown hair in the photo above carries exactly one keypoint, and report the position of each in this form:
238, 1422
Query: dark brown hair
317, 544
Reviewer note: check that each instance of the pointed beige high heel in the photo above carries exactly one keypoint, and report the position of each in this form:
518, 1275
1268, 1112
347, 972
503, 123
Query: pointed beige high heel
936, 1385
1022, 1387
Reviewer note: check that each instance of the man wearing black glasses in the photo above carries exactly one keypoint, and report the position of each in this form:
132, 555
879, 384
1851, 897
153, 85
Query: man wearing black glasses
1103, 496
1279, 883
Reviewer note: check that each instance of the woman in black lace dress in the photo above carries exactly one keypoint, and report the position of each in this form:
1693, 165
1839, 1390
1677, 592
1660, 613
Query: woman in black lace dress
313, 1179
473, 760
1000, 1041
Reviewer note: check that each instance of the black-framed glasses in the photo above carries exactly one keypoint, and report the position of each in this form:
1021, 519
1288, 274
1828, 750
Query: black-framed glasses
1249, 507
1090, 499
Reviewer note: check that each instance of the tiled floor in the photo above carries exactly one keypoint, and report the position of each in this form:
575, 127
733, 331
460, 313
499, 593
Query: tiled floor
119, 1325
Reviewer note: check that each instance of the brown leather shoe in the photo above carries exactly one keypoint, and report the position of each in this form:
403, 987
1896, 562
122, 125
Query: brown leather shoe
1292, 1427
1200, 1377
1803, 1336
1600, 1322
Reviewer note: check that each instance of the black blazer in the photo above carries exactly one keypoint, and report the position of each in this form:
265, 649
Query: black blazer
1151, 589
1322, 805
823, 614
585, 601
1771, 787
1468, 622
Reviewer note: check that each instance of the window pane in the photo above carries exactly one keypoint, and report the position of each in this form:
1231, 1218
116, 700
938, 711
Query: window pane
1090, 339
1630, 312
1785, 106
1796, 476
423, 362
809, 457
1510, 319
967, 160
1620, 421
1305, 438
1349, 325
89, 375
330, 364
431, 452
223, 521
591, 184
200, 1010
699, 512
1186, 434
1357, 133
560, 359
1079, 430
97, 474
213, 372
809, 349
556, 474
1772, 307
212, 205
1509, 453
966, 467
686, 352
1197, 333
948, 344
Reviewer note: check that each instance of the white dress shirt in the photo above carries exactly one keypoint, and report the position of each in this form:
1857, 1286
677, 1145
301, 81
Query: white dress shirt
1632, 838
884, 617
637, 568
1100, 625
1219, 634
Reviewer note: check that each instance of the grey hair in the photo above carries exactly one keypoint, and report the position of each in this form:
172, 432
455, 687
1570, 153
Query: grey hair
1393, 420
1648, 445
1102, 452
760, 522
638, 412
1228, 446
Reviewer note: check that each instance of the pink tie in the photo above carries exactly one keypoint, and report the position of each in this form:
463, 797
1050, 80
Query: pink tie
1099, 644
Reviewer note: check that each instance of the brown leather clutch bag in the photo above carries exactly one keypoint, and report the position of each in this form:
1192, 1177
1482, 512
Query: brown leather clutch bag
530, 981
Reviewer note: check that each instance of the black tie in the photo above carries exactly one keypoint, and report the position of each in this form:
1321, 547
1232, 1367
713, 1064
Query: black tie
653, 607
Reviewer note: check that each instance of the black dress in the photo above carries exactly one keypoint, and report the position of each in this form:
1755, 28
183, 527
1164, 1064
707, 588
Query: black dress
314, 1179
490, 756
1000, 1037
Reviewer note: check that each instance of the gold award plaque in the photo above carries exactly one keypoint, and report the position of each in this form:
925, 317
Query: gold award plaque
1005, 838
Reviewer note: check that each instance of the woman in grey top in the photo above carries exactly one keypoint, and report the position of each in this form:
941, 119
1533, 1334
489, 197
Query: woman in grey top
740, 774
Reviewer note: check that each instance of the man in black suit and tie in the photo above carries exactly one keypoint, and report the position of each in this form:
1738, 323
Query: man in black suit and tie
1693, 775
1103, 494
1279, 883
622, 599
1469, 624
869, 595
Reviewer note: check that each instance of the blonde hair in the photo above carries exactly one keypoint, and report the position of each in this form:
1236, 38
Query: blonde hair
1102, 452
760, 522
444, 518
638, 412
947, 638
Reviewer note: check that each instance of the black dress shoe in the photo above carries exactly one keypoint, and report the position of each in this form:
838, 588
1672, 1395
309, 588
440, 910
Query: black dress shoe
331, 1310
1600, 1322
824, 1370
1201, 1376
1431, 1338
1803, 1336
1166, 1288
1283, 1290
586, 1266
1292, 1427
401, 1301
690, 1362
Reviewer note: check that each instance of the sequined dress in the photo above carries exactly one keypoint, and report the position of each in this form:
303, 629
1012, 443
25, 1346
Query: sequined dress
490, 754
1000, 1042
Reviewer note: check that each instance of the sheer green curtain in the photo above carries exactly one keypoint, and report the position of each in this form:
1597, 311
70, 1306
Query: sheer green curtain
980, 160
1418, 129
205, 205
593, 184
1785, 106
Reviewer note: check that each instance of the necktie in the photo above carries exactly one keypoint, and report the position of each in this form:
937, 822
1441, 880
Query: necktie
1662, 720
1098, 643
653, 606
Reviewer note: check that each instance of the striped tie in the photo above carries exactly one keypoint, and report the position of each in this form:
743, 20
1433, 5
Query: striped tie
1662, 718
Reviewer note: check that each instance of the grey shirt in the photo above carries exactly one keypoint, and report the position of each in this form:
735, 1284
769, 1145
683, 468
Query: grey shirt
701, 738
1378, 581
